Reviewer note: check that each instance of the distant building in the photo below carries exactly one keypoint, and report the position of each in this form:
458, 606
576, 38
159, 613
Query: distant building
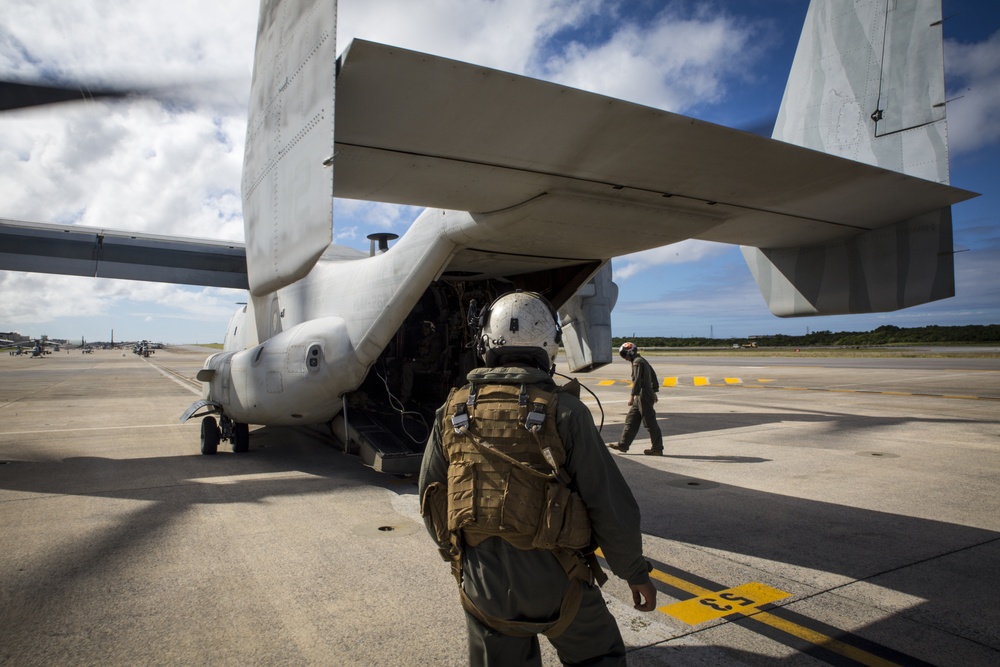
14, 336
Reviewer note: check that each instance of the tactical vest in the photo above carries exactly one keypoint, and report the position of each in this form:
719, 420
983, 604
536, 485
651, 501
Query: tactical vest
505, 479
505, 476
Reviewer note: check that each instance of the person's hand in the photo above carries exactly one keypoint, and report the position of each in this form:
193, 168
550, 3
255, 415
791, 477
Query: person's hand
630, 399
655, 399
644, 596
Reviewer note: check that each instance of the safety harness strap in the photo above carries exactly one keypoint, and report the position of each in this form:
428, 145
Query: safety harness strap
489, 450
579, 575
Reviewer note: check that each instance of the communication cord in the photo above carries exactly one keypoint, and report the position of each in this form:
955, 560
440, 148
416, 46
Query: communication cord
599, 406
398, 406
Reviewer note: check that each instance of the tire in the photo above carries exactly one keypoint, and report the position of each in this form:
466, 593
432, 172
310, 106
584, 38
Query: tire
241, 438
210, 435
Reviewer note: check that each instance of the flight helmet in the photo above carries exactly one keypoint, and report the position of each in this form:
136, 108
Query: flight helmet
628, 351
520, 326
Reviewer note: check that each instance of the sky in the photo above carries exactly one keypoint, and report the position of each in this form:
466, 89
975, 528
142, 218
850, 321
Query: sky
174, 168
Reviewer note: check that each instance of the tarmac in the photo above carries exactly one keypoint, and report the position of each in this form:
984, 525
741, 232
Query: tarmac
807, 512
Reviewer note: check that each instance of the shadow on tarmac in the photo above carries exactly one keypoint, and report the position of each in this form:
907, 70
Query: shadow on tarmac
674, 424
892, 550
69, 570
273, 450
859, 544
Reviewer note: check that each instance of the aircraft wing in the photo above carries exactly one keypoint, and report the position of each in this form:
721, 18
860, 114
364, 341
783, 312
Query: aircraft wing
587, 175
101, 253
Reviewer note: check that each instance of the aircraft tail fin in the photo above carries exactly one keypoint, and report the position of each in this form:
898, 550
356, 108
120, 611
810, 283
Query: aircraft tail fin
288, 165
867, 83
886, 269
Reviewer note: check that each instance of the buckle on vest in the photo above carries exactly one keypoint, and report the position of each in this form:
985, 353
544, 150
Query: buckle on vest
535, 419
460, 420
522, 398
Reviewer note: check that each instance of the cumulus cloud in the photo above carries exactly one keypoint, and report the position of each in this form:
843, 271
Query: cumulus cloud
139, 42
675, 62
502, 34
172, 164
678, 60
373, 216
973, 76
149, 165
33, 301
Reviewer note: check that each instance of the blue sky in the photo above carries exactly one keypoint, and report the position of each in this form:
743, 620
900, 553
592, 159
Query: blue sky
176, 170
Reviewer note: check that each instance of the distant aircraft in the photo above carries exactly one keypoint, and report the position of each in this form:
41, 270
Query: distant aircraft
536, 186
37, 347
142, 348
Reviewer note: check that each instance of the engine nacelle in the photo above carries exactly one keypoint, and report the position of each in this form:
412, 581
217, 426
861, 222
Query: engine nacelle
586, 323
295, 377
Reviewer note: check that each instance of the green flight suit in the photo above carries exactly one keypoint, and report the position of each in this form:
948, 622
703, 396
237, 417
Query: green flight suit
529, 585
644, 389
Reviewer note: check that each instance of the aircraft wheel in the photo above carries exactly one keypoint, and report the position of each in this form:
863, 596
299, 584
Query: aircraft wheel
209, 435
241, 437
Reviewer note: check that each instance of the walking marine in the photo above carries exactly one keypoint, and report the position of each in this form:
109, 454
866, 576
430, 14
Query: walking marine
518, 489
645, 385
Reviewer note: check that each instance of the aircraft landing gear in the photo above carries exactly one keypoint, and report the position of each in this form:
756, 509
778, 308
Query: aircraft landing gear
210, 435
241, 437
213, 432
236, 433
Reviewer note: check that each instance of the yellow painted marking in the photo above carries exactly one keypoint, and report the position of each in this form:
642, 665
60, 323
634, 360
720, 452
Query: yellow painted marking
742, 599
819, 639
679, 584
703, 381
788, 627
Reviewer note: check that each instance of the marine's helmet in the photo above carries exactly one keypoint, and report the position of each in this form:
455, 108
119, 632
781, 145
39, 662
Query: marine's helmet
628, 351
520, 325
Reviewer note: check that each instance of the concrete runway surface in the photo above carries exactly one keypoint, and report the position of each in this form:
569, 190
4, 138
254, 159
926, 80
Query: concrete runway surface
807, 512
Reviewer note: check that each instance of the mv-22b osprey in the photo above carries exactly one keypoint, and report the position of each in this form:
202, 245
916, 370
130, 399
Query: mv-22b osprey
531, 185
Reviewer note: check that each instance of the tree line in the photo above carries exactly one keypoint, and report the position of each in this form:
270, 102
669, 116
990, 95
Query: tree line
884, 335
